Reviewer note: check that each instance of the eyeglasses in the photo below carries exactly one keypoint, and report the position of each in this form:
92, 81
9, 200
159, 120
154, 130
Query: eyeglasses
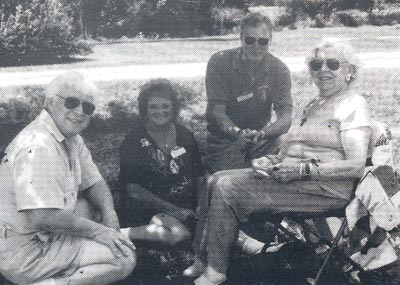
73, 102
332, 64
252, 41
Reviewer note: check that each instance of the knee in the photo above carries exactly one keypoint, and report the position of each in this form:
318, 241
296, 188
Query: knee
178, 236
125, 265
224, 187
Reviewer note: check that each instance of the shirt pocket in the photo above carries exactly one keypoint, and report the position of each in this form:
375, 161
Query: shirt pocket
70, 193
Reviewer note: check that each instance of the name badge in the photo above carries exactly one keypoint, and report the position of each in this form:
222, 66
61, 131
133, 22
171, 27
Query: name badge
244, 97
178, 151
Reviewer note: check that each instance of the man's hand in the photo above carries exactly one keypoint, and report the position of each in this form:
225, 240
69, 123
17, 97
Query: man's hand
262, 166
114, 240
245, 137
183, 215
110, 220
286, 172
259, 136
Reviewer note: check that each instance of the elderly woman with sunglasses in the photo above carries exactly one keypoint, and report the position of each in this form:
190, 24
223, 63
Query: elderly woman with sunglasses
325, 150
160, 166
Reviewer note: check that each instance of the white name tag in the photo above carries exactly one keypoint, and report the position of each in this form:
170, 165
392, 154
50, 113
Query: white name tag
244, 97
178, 151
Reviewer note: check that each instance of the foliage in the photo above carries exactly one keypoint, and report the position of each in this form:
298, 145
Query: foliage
352, 18
38, 31
388, 16
312, 8
226, 18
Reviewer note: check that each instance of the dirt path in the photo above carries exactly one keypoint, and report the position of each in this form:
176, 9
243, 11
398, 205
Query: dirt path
183, 70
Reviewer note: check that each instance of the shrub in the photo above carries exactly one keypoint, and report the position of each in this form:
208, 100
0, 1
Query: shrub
352, 18
388, 16
286, 19
39, 31
312, 8
226, 18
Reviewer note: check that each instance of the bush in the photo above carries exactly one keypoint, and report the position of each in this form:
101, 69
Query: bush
38, 31
388, 16
286, 19
312, 8
352, 18
225, 19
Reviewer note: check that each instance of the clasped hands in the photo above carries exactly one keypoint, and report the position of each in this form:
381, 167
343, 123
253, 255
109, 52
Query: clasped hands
283, 172
248, 136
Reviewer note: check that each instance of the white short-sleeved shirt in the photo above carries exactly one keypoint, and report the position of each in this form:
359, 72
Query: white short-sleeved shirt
316, 134
42, 169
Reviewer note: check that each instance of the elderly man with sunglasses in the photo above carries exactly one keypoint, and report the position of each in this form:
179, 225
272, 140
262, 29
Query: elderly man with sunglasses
243, 84
50, 189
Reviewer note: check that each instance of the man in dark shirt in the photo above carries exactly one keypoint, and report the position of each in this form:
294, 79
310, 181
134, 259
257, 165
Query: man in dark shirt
243, 85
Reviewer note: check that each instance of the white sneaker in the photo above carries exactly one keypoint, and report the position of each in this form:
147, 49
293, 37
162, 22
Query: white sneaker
195, 270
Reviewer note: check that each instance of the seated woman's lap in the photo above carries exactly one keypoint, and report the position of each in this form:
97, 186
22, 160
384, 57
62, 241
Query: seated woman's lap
249, 194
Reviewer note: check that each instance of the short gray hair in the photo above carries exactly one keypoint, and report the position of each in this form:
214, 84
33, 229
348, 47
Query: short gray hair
70, 80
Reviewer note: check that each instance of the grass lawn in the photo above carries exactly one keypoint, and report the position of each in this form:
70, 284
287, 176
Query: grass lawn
286, 43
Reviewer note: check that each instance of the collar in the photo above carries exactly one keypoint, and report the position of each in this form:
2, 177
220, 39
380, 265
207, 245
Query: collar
47, 121
238, 64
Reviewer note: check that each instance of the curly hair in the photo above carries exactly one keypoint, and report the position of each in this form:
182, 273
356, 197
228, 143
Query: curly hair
158, 88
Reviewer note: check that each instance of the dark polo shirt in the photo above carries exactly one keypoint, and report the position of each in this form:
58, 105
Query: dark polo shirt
248, 99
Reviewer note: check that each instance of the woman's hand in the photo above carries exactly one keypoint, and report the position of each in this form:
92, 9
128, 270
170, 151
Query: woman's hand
286, 172
262, 166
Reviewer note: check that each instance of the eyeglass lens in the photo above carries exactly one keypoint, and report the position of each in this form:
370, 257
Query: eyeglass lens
332, 64
252, 41
73, 102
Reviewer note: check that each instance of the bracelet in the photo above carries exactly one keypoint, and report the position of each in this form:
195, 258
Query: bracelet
307, 171
301, 171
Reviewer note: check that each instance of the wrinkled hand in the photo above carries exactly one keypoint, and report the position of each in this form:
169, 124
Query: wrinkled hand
110, 220
115, 241
286, 172
184, 215
262, 166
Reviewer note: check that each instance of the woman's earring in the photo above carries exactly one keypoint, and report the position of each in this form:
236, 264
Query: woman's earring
348, 77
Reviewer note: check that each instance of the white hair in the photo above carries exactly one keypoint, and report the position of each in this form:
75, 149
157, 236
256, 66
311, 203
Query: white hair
73, 81
344, 48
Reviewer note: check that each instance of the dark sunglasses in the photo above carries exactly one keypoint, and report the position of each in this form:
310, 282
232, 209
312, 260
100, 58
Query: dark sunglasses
332, 64
73, 102
252, 41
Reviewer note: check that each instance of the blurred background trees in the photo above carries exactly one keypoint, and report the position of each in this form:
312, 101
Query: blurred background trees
51, 30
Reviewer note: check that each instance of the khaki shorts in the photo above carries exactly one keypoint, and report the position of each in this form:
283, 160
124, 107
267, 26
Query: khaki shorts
33, 257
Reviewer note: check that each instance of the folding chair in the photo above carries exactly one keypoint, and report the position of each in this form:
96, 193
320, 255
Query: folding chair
382, 209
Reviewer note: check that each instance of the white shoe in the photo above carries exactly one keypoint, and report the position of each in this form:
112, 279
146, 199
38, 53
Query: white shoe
195, 270
204, 280
210, 277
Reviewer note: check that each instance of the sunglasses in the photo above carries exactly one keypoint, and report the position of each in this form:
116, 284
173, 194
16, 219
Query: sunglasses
332, 64
73, 102
252, 41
